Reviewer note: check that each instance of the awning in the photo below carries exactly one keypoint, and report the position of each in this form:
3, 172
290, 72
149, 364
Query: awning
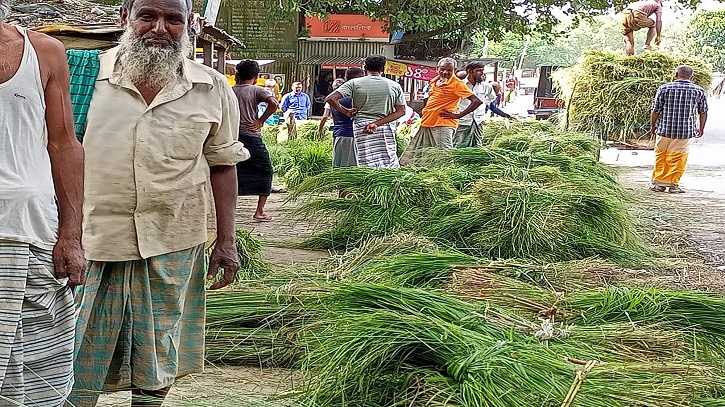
332, 60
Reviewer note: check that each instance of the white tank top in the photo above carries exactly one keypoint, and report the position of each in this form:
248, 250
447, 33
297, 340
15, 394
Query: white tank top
28, 211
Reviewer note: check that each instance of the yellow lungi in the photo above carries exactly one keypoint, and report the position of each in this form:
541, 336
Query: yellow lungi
670, 160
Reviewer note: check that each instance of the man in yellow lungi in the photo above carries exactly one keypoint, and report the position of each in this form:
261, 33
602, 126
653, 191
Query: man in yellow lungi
161, 137
675, 122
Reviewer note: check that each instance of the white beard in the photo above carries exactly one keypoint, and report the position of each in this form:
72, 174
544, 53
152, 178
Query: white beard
4, 9
151, 65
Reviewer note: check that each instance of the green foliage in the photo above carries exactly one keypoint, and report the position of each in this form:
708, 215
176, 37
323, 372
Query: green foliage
599, 34
426, 19
705, 38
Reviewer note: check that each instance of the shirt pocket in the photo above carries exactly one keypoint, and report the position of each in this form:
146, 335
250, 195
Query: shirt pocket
186, 139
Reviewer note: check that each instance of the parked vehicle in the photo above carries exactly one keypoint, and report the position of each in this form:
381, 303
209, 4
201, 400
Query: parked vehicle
546, 102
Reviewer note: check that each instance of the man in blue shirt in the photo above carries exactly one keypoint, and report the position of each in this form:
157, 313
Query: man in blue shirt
296, 102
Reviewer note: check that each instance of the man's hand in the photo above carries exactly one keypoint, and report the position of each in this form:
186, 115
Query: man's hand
350, 112
256, 126
69, 261
450, 115
370, 128
223, 256
700, 132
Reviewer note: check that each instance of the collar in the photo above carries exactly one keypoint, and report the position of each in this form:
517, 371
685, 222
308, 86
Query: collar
191, 72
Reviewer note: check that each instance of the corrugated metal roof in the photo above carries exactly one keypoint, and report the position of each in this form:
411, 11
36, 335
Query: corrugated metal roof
324, 59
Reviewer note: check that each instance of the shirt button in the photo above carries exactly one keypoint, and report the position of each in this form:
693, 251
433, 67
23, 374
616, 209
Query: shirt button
142, 140
140, 164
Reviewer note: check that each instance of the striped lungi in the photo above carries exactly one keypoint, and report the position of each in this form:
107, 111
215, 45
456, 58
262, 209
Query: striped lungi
427, 137
377, 150
36, 328
467, 135
140, 324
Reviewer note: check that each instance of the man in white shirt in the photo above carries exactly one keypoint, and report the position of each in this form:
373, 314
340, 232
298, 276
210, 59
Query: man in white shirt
469, 126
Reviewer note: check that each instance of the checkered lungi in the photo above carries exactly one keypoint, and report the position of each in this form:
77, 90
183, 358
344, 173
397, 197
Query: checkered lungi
377, 150
427, 137
36, 328
467, 135
140, 324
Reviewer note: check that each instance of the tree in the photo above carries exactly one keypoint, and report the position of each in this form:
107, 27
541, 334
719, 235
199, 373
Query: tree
599, 34
704, 38
461, 19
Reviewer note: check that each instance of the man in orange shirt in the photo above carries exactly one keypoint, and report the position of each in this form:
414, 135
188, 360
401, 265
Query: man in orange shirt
440, 116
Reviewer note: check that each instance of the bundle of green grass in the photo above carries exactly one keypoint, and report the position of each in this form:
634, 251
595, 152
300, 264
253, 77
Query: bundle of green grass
610, 94
486, 202
378, 345
294, 160
538, 137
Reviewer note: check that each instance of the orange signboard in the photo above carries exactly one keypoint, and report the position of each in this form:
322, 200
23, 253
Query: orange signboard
346, 26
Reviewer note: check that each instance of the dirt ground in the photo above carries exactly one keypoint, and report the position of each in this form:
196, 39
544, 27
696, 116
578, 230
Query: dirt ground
689, 229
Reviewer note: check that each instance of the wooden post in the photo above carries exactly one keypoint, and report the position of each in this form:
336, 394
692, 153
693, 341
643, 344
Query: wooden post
208, 48
221, 63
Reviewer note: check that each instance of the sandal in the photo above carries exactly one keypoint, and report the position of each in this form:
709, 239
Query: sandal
657, 188
676, 190
265, 218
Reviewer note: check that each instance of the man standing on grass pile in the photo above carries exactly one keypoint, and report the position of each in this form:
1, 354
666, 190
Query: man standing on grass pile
377, 102
637, 16
41, 197
161, 132
440, 119
675, 122
471, 125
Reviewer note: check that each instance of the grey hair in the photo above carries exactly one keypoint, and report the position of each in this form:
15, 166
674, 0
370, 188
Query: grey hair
444, 61
127, 4
684, 71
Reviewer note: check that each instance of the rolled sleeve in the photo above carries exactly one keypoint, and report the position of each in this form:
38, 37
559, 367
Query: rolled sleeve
702, 105
222, 146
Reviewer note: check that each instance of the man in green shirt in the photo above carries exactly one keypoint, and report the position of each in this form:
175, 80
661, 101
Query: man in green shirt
376, 103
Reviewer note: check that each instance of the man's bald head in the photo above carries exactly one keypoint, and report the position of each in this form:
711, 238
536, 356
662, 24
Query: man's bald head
684, 72
4, 9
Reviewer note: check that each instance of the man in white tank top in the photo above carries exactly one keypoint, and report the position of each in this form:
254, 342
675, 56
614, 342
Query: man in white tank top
41, 192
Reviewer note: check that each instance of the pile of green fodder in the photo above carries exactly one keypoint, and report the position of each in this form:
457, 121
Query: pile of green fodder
610, 95
380, 345
486, 202
294, 160
255, 323
538, 137
378, 202
488, 335
403, 133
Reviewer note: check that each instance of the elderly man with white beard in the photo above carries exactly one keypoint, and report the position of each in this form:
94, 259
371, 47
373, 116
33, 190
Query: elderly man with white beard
41, 194
161, 132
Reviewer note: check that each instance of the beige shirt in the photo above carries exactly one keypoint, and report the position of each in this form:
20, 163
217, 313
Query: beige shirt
147, 166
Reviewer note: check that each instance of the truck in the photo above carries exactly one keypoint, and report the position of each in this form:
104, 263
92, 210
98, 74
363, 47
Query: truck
546, 102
